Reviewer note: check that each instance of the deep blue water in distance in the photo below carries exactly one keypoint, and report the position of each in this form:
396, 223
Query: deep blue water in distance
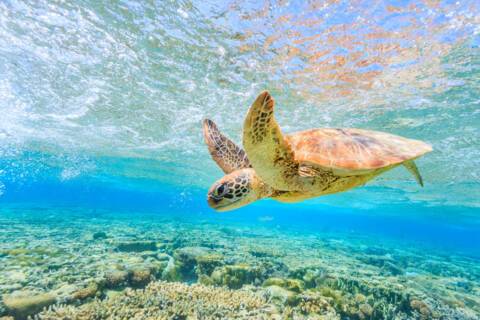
437, 228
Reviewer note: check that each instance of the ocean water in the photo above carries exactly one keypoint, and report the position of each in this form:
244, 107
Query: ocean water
104, 171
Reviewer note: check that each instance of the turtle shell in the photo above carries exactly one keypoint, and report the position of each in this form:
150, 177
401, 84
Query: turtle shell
353, 150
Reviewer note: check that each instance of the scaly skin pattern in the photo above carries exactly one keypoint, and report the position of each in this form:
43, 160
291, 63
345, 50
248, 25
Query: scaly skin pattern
224, 152
237, 189
326, 184
302, 165
319, 161
267, 150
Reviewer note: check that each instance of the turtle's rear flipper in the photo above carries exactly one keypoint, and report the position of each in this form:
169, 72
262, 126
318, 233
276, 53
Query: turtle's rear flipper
412, 167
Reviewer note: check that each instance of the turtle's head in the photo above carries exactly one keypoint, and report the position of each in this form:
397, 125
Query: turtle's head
236, 190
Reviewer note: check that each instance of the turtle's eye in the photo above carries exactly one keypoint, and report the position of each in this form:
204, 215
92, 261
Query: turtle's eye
221, 190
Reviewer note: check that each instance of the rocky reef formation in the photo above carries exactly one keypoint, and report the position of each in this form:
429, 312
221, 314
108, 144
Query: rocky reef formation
21, 306
155, 268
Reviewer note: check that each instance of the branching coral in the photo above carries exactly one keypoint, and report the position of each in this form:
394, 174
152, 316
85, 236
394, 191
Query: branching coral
169, 300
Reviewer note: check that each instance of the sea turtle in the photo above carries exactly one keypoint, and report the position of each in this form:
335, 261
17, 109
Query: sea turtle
302, 165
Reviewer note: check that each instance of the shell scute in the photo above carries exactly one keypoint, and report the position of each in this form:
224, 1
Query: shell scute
353, 149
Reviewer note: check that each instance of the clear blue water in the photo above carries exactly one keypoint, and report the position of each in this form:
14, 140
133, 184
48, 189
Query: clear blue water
101, 108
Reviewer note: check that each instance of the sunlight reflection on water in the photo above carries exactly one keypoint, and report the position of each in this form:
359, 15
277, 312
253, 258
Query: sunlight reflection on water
87, 81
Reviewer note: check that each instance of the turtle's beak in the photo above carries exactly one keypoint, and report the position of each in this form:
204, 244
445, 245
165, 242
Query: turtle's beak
211, 202
219, 205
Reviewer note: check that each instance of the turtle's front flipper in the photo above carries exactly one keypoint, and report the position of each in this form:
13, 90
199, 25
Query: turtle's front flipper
224, 152
269, 153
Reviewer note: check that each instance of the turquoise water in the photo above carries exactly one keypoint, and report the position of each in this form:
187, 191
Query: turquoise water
101, 145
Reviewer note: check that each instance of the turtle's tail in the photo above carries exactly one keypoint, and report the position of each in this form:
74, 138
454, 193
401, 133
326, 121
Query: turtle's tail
412, 167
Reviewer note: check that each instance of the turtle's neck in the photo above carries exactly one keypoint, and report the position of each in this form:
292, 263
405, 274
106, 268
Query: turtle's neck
262, 189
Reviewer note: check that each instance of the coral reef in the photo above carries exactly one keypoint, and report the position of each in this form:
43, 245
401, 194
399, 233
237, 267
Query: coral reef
235, 276
169, 300
23, 305
79, 269
116, 278
137, 246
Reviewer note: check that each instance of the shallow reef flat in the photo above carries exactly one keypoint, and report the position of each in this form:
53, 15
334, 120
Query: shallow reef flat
64, 263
